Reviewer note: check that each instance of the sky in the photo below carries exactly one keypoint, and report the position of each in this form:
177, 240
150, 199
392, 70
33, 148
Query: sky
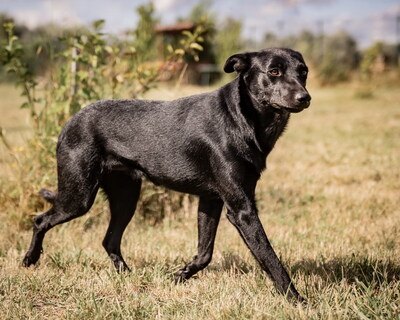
367, 20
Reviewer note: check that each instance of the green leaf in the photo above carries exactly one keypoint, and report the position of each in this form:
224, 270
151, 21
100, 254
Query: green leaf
187, 33
170, 49
84, 39
196, 46
25, 105
180, 52
82, 74
109, 49
98, 24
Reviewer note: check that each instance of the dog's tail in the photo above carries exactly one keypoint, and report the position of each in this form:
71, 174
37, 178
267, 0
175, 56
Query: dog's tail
48, 195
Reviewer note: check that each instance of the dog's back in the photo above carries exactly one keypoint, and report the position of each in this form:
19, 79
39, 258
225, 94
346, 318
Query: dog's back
182, 144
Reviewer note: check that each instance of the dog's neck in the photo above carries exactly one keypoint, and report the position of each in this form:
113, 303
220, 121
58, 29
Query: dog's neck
268, 123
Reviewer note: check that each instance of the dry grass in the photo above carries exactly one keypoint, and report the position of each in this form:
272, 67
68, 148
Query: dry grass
329, 202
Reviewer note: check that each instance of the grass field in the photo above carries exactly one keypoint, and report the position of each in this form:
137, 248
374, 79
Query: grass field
330, 203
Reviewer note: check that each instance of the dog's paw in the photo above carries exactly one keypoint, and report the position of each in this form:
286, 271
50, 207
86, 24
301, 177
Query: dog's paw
301, 301
181, 276
119, 263
31, 258
27, 262
294, 297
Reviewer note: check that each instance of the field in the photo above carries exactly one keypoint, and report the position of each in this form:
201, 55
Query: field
329, 201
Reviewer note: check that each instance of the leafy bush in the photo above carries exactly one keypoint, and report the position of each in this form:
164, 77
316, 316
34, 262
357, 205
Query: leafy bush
340, 58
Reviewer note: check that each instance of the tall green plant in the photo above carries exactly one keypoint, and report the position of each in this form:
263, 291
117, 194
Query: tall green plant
370, 56
228, 40
11, 57
145, 32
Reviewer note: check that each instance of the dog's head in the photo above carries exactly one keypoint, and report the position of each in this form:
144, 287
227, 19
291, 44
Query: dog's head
274, 77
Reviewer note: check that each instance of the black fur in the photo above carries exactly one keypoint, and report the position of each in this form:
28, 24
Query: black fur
213, 145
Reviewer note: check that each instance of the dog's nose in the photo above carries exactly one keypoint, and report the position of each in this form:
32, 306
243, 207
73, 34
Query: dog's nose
303, 97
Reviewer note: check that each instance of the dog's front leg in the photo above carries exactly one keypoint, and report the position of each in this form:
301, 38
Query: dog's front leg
243, 215
208, 218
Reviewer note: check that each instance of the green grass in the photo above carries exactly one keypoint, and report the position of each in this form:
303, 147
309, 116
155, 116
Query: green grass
13, 120
329, 202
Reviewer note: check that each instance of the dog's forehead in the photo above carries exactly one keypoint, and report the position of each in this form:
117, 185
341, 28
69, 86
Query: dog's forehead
280, 57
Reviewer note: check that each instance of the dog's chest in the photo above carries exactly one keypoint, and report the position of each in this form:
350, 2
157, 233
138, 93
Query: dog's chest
273, 129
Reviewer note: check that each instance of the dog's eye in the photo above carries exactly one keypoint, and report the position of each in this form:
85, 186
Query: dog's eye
304, 73
274, 72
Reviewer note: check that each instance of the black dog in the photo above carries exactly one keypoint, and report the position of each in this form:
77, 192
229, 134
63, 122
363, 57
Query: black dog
213, 145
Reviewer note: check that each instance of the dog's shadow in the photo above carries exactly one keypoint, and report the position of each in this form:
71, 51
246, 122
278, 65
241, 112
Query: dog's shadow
233, 263
352, 269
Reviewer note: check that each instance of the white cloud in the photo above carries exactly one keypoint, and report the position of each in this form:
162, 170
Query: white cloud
164, 5
60, 11
276, 6
28, 17
379, 26
384, 24
57, 12
272, 8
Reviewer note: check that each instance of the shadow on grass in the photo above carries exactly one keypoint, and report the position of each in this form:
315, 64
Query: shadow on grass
234, 263
353, 268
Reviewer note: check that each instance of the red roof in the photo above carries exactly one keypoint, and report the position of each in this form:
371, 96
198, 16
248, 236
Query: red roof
175, 27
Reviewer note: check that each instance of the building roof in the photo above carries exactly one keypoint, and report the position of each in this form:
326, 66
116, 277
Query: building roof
178, 27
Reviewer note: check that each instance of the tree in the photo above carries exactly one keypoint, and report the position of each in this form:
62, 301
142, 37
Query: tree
202, 17
341, 57
271, 40
228, 40
369, 58
145, 34
307, 43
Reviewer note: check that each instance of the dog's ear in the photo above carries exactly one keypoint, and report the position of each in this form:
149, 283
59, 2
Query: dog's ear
238, 62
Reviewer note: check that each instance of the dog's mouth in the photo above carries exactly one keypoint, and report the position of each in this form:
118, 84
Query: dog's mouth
292, 109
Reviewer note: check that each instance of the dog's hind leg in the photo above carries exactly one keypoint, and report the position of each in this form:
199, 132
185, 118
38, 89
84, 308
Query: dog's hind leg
208, 218
123, 193
49, 196
77, 189
58, 214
